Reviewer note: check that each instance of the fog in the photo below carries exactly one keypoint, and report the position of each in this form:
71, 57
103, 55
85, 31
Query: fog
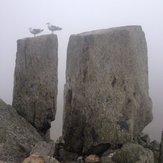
76, 16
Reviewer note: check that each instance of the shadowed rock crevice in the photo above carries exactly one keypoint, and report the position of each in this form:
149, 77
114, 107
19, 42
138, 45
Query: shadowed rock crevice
113, 82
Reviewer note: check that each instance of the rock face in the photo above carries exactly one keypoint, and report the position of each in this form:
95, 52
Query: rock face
35, 85
17, 136
106, 91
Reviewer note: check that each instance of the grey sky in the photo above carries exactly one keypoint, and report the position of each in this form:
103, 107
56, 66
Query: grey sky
76, 16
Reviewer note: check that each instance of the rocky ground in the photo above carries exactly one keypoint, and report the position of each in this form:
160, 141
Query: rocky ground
20, 142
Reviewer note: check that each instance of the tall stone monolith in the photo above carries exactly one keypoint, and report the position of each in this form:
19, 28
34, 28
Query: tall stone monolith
106, 90
35, 84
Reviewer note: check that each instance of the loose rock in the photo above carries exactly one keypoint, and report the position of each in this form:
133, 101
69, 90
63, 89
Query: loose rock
92, 158
37, 158
133, 153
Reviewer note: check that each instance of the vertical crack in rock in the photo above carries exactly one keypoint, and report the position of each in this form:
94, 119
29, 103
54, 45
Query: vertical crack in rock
35, 84
107, 72
113, 82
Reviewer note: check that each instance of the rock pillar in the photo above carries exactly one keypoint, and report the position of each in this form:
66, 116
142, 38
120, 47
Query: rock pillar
35, 84
106, 90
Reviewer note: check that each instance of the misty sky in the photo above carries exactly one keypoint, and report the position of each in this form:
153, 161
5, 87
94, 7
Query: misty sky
76, 16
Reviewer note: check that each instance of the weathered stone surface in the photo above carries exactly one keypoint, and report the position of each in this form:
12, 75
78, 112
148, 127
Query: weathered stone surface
161, 150
44, 148
35, 86
106, 91
133, 153
17, 136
